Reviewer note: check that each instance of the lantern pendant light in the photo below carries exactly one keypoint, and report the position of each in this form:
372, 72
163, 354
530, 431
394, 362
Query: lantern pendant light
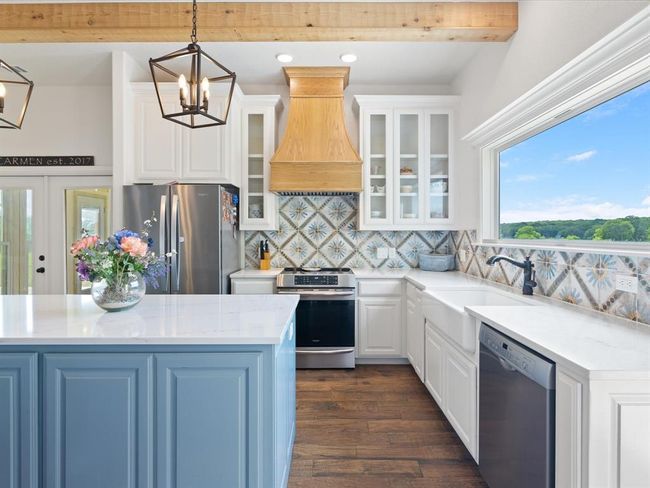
195, 72
13, 84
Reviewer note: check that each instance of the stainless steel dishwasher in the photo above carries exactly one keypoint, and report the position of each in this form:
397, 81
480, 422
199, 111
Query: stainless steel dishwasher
516, 414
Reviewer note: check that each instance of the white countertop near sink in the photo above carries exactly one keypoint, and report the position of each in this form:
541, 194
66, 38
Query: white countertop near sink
257, 273
597, 346
158, 319
419, 278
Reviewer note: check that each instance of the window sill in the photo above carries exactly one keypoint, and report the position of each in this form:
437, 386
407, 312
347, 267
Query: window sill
600, 247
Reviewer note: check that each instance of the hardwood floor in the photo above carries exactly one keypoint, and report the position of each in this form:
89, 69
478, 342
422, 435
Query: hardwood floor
375, 427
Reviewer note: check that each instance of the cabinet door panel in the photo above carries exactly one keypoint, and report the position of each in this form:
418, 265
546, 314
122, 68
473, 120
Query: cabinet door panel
433, 370
380, 327
568, 432
18, 421
208, 421
204, 158
460, 396
97, 420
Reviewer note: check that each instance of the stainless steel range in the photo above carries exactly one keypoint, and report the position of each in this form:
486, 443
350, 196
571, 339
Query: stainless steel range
326, 315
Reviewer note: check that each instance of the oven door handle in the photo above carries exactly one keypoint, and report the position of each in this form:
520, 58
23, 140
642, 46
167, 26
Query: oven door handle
328, 351
317, 293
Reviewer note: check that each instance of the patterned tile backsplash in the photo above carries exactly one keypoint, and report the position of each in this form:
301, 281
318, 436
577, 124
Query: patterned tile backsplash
322, 231
583, 279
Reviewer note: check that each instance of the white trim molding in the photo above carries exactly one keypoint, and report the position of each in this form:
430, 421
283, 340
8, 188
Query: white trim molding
613, 65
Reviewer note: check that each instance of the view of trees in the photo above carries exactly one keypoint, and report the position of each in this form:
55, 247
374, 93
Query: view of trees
634, 229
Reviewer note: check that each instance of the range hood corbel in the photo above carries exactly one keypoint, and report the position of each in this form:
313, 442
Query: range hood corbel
316, 155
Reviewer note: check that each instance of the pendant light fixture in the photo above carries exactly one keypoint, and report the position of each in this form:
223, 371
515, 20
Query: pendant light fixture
15, 92
195, 72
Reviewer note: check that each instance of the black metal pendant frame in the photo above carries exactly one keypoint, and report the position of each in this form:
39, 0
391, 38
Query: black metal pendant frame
197, 112
7, 124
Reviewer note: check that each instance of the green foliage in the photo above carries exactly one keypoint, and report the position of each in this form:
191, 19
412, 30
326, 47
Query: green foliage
618, 230
626, 229
527, 232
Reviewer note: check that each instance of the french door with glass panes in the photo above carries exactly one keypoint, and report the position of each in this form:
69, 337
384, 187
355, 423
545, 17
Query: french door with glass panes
23, 234
76, 205
40, 218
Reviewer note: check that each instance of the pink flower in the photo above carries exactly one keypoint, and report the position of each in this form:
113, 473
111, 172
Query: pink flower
83, 243
134, 246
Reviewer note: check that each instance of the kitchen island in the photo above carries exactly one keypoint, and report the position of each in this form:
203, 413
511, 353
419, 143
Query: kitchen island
180, 391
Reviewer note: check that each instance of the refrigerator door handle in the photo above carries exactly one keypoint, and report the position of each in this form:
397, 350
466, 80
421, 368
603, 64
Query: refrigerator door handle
161, 225
175, 248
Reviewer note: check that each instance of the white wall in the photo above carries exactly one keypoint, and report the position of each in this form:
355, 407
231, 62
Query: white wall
64, 121
550, 34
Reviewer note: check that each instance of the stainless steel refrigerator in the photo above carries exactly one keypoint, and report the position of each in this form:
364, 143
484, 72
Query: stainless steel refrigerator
198, 224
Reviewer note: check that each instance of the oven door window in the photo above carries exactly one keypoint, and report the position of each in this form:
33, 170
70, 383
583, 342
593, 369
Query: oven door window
325, 323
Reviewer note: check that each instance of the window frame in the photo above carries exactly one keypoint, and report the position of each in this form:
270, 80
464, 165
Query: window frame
599, 92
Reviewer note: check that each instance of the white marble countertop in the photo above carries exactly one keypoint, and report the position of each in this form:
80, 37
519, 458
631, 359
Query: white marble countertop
257, 273
158, 319
421, 279
599, 347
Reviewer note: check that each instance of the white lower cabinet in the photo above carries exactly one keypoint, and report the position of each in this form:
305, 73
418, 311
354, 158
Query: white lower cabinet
252, 286
568, 431
460, 395
415, 330
434, 345
451, 378
380, 326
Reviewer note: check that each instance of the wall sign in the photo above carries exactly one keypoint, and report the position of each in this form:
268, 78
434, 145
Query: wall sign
8, 161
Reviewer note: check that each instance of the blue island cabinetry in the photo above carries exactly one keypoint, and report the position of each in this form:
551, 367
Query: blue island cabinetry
147, 416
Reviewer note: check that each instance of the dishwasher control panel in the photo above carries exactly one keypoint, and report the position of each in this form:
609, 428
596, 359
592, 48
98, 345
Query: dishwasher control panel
514, 355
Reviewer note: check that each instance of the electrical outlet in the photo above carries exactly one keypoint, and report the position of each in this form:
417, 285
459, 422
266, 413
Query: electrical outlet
382, 253
392, 252
627, 283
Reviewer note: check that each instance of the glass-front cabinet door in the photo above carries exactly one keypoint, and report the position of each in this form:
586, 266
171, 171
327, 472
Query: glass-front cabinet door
377, 156
407, 171
437, 149
257, 203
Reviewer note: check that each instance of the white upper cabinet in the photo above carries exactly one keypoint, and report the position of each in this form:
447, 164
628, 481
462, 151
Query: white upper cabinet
407, 150
165, 151
258, 121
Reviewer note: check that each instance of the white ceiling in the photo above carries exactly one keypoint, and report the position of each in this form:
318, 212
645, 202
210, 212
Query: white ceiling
380, 63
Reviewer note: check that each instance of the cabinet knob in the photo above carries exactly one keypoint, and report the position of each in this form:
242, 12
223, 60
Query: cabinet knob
40, 270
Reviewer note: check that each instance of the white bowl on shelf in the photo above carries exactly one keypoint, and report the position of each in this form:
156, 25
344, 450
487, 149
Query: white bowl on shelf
376, 213
409, 216
406, 188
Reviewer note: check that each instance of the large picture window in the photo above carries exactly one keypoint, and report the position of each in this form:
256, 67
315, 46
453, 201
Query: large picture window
587, 178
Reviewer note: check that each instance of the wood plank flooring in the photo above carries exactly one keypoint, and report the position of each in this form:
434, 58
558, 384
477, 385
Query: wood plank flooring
375, 427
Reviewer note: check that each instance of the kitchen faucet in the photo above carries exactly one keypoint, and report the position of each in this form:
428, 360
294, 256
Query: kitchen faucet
526, 265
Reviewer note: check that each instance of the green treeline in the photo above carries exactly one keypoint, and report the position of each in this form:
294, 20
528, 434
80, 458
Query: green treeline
635, 229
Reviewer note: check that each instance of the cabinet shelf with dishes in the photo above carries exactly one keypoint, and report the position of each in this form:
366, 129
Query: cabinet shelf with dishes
410, 140
258, 205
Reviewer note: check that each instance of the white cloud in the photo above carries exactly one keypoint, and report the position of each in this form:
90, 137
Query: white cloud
527, 178
573, 208
646, 201
583, 156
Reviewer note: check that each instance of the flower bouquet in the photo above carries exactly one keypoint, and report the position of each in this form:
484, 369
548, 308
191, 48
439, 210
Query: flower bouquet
119, 267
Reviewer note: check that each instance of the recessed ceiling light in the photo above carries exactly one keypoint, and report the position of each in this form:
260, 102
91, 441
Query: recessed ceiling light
284, 58
348, 58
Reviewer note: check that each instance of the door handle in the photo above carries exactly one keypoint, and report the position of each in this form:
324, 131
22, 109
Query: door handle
176, 263
40, 270
506, 365
162, 218
329, 351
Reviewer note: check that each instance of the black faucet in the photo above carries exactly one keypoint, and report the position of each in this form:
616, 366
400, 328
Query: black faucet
526, 265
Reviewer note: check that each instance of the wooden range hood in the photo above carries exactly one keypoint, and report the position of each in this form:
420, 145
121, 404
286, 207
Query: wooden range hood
316, 155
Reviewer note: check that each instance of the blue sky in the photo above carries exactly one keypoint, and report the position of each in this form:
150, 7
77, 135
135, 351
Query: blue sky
594, 165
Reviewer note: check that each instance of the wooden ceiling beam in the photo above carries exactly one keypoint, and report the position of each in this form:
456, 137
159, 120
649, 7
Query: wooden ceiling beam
231, 22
